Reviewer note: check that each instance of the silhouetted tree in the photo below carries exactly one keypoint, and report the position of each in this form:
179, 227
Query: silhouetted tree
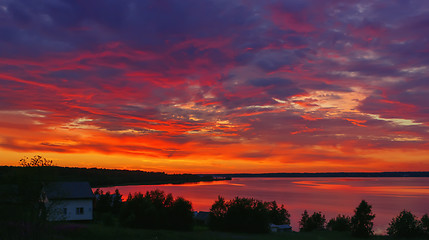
103, 202
405, 225
138, 211
341, 224
314, 222
36, 161
424, 224
160, 202
361, 222
278, 215
180, 215
303, 221
107, 206
116, 202
217, 214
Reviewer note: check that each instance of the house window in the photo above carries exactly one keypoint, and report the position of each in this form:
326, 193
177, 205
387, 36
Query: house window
65, 211
79, 211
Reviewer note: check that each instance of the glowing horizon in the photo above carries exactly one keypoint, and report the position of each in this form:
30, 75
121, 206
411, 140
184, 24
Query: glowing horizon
216, 86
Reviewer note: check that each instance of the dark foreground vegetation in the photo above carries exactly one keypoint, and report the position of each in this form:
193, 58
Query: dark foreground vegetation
67, 231
158, 215
95, 231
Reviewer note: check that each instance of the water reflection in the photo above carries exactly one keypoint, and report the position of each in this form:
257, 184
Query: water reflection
332, 196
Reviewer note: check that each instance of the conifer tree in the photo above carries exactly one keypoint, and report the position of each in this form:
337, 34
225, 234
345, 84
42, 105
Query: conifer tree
361, 222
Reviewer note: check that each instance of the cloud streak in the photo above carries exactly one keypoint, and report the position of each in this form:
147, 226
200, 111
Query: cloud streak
220, 83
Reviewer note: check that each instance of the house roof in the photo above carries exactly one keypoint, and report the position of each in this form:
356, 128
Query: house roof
68, 190
283, 226
201, 215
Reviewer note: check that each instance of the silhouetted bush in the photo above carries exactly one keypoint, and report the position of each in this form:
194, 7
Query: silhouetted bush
156, 210
361, 222
404, 225
246, 215
341, 224
314, 222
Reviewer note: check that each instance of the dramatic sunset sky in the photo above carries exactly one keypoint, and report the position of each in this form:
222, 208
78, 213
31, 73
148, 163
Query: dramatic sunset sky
216, 86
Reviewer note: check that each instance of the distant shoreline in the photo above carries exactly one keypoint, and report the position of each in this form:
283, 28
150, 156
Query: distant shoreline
115, 177
98, 177
159, 183
321, 175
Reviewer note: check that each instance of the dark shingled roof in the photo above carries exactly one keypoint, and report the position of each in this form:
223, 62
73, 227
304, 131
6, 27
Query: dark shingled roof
68, 190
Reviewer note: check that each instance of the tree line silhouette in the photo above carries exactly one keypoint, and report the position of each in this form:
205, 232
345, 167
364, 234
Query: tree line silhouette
155, 210
99, 177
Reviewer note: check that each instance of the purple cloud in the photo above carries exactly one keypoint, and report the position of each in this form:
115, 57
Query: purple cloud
187, 75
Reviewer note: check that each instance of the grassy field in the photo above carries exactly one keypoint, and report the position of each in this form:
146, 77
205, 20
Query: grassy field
100, 232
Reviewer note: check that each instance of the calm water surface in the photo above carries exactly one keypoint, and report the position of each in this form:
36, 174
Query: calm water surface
332, 196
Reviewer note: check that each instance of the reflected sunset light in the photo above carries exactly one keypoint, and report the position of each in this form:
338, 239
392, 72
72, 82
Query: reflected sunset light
329, 195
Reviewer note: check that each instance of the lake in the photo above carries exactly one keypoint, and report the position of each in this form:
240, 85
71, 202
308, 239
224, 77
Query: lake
331, 196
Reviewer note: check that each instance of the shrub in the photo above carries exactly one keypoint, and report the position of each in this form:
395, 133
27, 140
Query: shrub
404, 225
341, 224
314, 222
361, 222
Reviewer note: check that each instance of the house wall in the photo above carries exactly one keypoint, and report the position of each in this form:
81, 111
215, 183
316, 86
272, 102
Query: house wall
55, 210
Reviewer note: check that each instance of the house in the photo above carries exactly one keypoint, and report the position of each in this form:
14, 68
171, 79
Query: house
67, 201
280, 228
